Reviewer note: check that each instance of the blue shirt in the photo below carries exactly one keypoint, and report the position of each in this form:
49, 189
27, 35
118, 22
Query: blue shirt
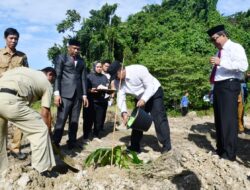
184, 101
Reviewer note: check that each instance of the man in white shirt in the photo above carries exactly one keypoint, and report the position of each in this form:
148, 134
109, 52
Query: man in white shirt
137, 81
229, 66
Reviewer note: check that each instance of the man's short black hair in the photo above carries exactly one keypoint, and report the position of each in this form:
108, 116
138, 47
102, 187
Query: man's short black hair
106, 61
74, 42
49, 69
114, 68
11, 31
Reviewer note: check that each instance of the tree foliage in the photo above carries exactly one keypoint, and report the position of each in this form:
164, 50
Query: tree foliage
170, 39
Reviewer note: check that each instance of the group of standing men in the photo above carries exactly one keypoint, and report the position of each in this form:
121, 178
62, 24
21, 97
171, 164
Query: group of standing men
21, 86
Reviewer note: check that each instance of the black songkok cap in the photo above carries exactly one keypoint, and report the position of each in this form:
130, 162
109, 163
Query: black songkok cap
74, 42
215, 29
113, 68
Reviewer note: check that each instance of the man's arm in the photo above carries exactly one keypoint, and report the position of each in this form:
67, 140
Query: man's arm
25, 61
47, 118
147, 81
59, 62
59, 71
84, 86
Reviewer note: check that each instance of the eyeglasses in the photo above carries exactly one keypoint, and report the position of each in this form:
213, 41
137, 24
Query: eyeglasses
214, 39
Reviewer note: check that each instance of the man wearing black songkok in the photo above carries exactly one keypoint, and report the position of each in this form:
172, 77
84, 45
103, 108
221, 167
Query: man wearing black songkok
70, 92
229, 63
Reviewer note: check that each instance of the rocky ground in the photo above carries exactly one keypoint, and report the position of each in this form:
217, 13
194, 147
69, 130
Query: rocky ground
190, 165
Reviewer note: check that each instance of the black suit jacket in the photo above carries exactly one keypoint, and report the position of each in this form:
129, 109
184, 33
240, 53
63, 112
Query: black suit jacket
70, 78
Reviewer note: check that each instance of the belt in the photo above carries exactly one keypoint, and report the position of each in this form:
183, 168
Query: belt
10, 91
227, 80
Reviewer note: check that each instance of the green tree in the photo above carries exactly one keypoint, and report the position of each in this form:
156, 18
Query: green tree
170, 39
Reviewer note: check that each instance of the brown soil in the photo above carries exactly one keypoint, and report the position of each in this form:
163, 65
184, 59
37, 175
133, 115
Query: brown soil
190, 165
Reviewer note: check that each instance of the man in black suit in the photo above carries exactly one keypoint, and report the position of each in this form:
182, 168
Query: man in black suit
70, 92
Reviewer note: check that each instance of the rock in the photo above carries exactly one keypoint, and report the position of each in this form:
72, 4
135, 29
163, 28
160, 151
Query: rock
23, 180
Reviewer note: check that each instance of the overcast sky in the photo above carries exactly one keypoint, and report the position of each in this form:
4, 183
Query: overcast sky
36, 20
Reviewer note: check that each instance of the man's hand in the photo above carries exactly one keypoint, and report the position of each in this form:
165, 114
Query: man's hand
57, 100
125, 118
215, 60
85, 102
140, 103
46, 116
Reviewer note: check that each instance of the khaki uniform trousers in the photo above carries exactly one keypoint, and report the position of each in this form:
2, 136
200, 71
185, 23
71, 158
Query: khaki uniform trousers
16, 140
240, 113
16, 110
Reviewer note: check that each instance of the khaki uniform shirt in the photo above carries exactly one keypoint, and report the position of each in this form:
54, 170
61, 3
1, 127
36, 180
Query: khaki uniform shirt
30, 84
9, 61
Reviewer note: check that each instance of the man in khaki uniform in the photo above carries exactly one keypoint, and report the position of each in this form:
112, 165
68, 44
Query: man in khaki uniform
11, 58
20, 87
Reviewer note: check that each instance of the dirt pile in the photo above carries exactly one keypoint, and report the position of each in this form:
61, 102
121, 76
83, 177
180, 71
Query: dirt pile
190, 165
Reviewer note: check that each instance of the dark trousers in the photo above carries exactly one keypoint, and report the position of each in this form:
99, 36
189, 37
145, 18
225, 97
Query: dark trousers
94, 114
71, 108
155, 106
105, 106
225, 114
184, 111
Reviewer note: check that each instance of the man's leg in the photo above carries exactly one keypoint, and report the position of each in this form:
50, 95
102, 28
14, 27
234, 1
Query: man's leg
105, 106
74, 119
136, 137
3, 139
33, 127
37, 133
227, 111
16, 140
62, 115
15, 147
240, 114
88, 118
158, 112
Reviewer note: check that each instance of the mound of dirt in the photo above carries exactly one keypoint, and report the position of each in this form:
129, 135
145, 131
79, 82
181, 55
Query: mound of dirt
190, 165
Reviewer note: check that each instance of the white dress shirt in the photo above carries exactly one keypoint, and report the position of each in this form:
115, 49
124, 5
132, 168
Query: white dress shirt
233, 62
139, 83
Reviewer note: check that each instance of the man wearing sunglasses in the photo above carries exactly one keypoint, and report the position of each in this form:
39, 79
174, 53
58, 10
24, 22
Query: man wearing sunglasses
229, 65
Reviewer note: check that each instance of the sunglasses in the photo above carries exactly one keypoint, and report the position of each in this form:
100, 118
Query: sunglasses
214, 39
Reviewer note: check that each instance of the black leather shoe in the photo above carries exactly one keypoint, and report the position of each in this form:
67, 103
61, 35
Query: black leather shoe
74, 146
49, 174
131, 148
224, 156
165, 150
18, 155
218, 152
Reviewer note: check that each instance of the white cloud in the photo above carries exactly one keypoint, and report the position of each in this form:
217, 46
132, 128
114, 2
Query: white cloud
53, 11
26, 37
229, 7
36, 21
34, 29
